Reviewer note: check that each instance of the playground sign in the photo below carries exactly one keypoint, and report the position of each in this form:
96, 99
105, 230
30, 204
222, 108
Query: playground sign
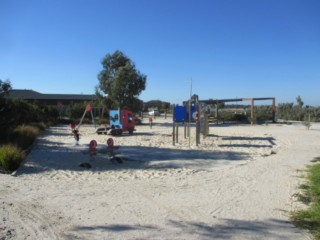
179, 113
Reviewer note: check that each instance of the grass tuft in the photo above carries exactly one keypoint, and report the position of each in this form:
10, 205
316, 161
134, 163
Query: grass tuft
310, 218
24, 136
10, 158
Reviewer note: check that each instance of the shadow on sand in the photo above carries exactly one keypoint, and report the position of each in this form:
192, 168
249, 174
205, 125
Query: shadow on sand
52, 156
224, 229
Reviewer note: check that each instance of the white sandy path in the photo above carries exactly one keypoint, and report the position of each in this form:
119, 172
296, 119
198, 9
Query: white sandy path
230, 187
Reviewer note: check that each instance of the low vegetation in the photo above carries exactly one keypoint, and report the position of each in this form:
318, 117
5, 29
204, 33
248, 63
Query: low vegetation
285, 111
10, 158
309, 218
20, 124
24, 136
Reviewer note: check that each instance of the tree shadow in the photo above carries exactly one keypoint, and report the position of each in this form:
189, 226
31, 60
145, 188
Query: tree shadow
115, 228
57, 131
52, 156
269, 140
224, 229
134, 134
241, 229
237, 138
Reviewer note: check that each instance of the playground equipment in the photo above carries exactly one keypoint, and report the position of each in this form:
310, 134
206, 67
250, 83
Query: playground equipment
120, 121
252, 100
75, 133
192, 111
195, 110
110, 151
87, 109
94, 111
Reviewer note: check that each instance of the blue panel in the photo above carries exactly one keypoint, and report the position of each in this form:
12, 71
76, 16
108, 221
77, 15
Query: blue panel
179, 114
115, 118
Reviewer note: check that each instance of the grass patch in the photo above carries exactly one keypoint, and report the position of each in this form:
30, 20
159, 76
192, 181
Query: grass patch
10, 158
40, 125
24, 136
310, 218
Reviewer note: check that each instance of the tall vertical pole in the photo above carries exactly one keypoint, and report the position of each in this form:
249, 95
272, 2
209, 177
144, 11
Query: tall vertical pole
190, 110
173, 128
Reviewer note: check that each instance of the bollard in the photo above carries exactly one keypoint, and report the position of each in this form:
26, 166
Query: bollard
110, 144
76, 135
93, 148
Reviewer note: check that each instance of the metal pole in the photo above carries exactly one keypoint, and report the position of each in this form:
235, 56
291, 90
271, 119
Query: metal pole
173, 128
190, 111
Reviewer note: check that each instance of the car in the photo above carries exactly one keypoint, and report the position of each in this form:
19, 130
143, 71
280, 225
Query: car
154, 113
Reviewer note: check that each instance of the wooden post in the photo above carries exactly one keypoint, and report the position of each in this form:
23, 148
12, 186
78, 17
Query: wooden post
173, 134
273, 110
205, 126
217, 112
197, 132
177, 132
253, 120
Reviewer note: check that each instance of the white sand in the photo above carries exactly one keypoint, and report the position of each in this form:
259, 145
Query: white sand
239, 183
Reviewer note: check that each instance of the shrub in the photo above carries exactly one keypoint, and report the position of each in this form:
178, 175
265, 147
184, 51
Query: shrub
24, 136
309, 218
10, 158
76, 110
40, 125
137, 121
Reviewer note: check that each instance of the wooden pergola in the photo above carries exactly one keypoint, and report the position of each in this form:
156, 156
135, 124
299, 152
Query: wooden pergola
252, 100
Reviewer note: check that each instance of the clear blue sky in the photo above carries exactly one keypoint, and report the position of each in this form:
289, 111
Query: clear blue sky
229, 48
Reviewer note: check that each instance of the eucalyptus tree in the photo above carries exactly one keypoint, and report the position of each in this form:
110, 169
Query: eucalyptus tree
119, 80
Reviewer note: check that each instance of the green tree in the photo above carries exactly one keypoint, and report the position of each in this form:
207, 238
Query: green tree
5, 86
299, 101
120, 81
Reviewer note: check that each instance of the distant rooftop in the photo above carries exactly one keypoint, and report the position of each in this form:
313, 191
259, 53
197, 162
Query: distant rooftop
28, 94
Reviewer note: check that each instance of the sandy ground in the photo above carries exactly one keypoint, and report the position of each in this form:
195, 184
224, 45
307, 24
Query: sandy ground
239, 183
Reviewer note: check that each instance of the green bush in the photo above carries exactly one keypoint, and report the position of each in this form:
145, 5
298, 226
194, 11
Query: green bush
40, 125
76, 110
10, 158
228, 116
309, 218
24, 136
137, 121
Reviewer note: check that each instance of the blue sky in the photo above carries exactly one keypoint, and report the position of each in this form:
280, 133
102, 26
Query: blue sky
229, 48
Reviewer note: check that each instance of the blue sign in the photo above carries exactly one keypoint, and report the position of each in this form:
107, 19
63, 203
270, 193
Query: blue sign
179, 113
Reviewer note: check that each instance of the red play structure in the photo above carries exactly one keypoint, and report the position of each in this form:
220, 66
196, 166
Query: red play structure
120, 121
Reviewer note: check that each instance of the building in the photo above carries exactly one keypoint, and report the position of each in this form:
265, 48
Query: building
49, 99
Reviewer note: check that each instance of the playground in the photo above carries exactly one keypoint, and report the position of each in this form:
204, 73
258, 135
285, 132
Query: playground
238, 183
